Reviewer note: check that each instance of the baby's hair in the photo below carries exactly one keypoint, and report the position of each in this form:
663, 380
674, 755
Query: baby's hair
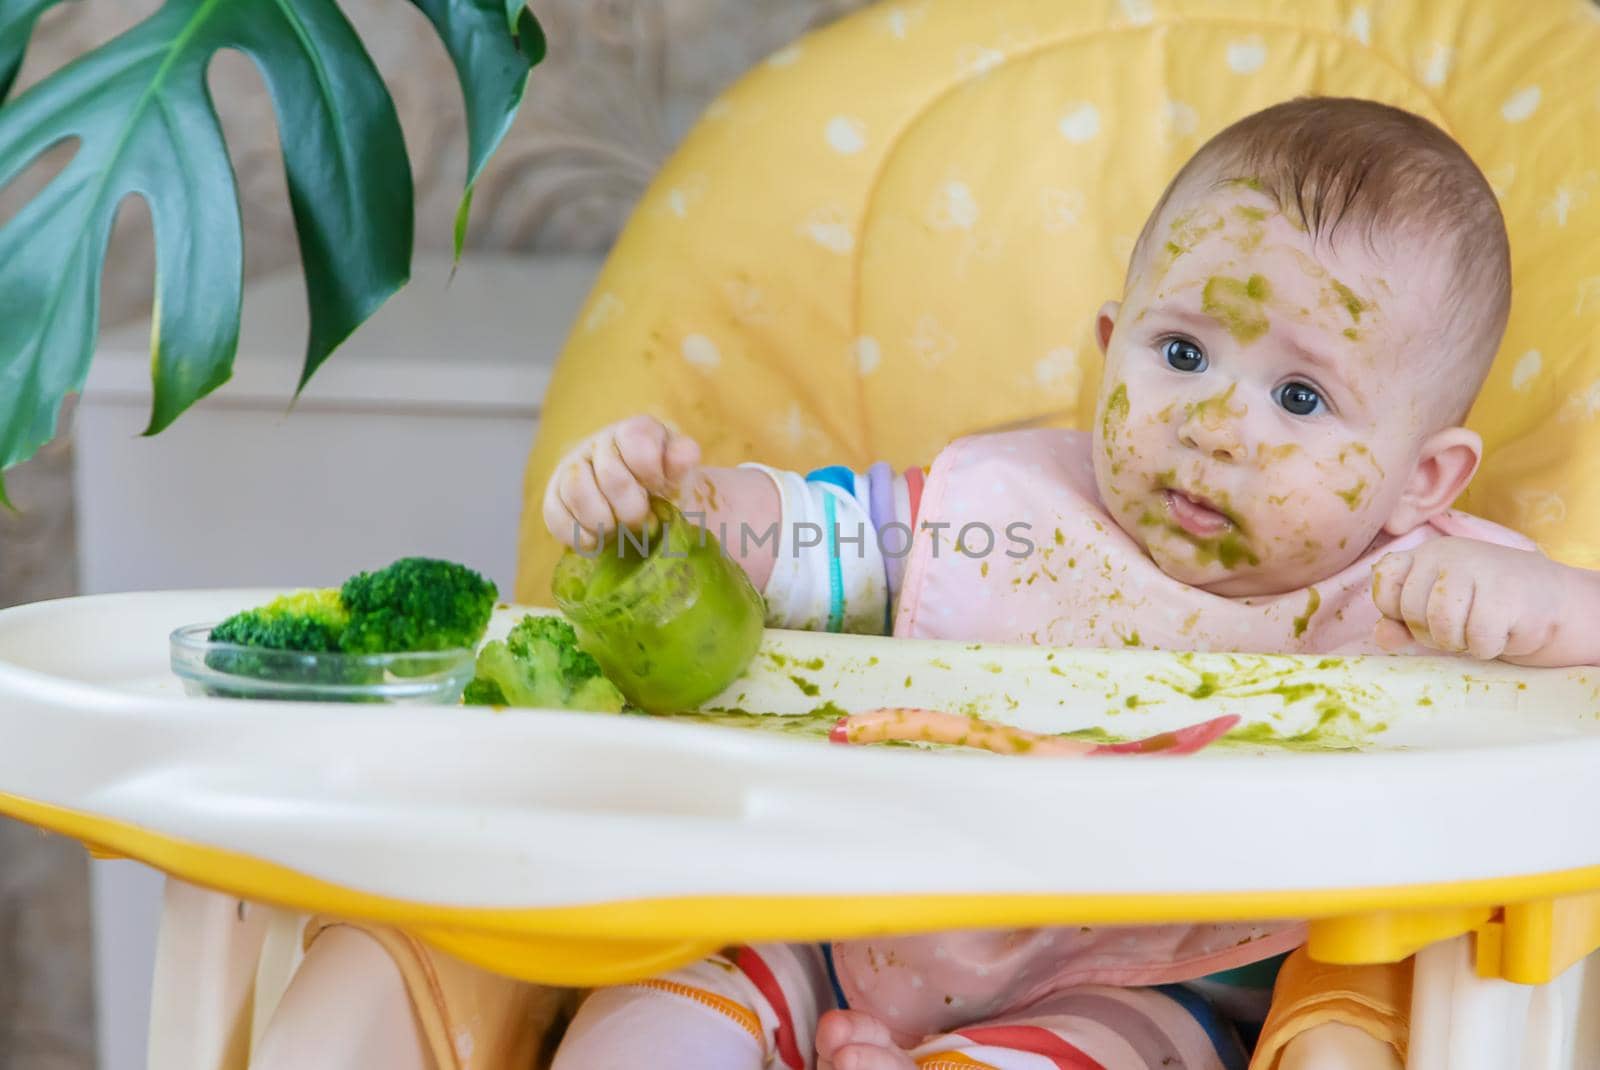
1333, 163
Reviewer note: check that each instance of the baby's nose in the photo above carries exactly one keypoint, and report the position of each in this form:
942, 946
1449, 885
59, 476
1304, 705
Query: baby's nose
1217, 437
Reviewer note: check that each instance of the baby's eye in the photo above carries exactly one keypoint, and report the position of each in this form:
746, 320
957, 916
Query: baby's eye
1300, 399
1183, 355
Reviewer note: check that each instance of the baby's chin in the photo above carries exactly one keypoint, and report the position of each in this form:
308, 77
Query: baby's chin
1263, 581
1188, 565
1226, 566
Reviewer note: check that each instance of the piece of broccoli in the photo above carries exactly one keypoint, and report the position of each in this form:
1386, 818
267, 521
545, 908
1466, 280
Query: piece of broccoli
306, 620
309, 622
417, 603
483, 693
540, 664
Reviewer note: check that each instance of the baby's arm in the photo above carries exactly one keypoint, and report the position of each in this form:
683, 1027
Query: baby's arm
1469, 597
776, 524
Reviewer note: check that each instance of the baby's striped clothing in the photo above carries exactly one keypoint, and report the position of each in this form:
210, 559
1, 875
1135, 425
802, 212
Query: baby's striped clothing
755, 1008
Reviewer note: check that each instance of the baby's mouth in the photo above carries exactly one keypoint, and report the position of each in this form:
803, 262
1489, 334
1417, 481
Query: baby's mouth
1195, 515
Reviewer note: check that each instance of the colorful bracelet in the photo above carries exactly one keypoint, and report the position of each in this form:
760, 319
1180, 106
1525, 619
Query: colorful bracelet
837, 475
880, 508
914, 481
835, 570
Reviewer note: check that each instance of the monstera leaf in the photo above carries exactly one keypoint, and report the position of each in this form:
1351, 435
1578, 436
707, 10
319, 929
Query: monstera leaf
143, 121
16, 24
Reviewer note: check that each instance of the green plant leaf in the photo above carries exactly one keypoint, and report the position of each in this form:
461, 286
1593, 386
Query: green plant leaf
492, 66
140, 111
16, 27
143, 124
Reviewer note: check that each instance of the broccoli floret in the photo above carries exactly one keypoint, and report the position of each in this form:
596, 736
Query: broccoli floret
312, 621
540, 664
417, 603
483, 693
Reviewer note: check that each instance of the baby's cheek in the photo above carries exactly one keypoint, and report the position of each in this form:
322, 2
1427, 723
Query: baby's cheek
1297, 512
1129, 431
1111, 427
1319, 526
1351, 474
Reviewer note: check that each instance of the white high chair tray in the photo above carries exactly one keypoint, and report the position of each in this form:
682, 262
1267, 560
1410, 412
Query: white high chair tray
1481, 771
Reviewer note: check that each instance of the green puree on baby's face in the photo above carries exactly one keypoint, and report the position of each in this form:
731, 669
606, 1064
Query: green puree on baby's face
1238, 304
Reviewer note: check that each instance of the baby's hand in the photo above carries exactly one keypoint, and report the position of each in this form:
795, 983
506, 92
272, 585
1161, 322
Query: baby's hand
607, 481
1465, 596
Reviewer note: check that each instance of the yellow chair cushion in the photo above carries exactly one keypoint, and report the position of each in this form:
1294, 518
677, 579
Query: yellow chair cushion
897, 231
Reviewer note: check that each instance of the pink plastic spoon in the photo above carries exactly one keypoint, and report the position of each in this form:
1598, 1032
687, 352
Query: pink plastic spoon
917, 725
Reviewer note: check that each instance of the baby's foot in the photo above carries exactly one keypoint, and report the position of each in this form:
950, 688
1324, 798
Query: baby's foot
850, 1040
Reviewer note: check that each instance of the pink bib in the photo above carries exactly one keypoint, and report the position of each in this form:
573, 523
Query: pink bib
1086, 584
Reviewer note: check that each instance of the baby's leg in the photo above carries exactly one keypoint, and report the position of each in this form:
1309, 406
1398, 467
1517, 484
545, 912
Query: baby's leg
347, 1006
1336, 1046
746, 1009
1090, 1028
1328, 1017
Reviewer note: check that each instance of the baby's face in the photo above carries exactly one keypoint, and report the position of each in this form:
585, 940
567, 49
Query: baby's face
1263, 404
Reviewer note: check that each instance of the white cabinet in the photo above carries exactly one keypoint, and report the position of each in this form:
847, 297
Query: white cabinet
410, 440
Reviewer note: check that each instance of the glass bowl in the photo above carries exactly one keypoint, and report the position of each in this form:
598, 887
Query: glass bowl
226, 670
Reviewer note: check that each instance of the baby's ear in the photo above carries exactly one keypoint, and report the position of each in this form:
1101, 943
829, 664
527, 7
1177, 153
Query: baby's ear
1104, 321
1445, 467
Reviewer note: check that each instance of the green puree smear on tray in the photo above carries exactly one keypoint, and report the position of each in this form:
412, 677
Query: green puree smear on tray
1333, 710
1325, 717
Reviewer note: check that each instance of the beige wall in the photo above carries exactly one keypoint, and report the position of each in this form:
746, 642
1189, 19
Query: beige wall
623, 81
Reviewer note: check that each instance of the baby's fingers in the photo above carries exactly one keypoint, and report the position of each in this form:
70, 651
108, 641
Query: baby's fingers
1449, 607
682, 455
1391, 636
557, 517
1488, 630
629, 502
1388, 579
1416, 598
580, 493
1410, 589
641, 443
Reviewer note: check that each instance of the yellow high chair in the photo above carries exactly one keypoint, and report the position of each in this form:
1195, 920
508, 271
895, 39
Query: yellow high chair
890, 234
897, 232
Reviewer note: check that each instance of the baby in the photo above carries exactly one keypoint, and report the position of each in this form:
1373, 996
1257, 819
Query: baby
1307, 317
